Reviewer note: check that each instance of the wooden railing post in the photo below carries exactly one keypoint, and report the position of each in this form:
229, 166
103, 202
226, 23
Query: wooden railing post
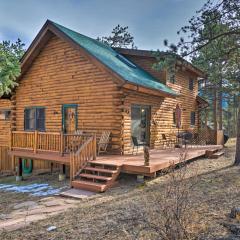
94, 147
35, 142
61, 143
10, 141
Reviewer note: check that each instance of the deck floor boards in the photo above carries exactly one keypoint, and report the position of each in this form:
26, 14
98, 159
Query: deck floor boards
159, 159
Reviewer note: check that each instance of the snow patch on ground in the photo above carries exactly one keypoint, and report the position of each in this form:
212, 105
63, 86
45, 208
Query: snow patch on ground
35, 189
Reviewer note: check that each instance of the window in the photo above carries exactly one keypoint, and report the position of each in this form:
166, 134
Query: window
126, 61
171, 77
34, 119
5, 115
192, 120
174, 118
191, 84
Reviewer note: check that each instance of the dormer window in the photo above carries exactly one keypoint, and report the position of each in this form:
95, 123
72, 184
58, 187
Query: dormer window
126, 61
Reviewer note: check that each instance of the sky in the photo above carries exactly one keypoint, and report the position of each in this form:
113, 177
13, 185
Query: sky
149, 21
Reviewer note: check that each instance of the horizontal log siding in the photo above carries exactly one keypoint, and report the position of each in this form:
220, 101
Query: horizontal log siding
162, 111
5, 124
5, 160
61, 75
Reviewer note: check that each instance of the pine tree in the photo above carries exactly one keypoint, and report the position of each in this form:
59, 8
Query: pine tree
120, 37
10, 55
222, 19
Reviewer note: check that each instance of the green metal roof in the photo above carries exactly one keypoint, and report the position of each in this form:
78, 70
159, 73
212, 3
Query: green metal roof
115, 61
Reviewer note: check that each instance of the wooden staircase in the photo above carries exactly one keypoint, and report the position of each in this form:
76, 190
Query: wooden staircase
214, 154
96, 177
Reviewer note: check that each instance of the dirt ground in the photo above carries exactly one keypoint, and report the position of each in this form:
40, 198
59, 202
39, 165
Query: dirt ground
118, 213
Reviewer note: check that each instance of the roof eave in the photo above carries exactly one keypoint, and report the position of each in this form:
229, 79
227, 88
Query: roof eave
148, 90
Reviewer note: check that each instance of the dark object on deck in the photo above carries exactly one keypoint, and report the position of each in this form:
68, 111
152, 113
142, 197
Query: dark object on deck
226, 137
186, 137
136, 143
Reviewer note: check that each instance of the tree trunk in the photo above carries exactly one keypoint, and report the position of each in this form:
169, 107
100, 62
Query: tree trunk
215, 109
237, 156
220, 104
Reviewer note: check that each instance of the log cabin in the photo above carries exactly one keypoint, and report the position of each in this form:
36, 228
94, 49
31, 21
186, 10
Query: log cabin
71, 82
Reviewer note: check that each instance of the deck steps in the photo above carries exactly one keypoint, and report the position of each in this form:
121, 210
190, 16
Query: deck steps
209, 153
89, 186
96, 177
96, 169
93, 176
216, 155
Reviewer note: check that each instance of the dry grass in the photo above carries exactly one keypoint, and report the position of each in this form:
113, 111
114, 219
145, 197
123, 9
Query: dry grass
127, 212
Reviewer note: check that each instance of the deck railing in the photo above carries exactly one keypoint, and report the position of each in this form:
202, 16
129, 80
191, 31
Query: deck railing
56, 142
79, 158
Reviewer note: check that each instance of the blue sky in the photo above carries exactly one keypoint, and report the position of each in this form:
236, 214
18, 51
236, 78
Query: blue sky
149, 21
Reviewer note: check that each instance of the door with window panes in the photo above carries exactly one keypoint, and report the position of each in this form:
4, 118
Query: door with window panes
69, 118
140, 123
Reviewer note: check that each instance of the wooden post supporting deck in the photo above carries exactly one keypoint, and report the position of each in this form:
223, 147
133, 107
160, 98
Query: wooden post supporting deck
13, 163
62, 174
19, 170
51, 167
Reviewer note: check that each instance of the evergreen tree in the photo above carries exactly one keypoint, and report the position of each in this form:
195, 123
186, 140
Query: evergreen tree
222, 19
10, 55
120, 37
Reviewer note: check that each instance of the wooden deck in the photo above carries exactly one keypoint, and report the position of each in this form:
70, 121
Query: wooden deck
159, 159
100, 174
133, 164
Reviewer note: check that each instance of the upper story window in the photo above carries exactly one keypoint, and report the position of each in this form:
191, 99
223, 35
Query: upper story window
171, 77
34, 119
193, 118
191, 83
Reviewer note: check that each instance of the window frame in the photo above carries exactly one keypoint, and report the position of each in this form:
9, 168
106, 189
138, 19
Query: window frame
171, 78
35, 119
191, 84
192, 116
148, 120
174, 118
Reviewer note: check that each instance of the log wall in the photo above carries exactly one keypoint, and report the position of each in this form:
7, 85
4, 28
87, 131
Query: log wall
161, 108
62, 75
5, 124
5, 161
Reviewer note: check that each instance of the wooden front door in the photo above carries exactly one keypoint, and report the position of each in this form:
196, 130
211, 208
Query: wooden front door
69, 117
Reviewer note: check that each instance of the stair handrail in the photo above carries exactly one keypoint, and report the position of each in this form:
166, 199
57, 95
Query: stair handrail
79, 158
